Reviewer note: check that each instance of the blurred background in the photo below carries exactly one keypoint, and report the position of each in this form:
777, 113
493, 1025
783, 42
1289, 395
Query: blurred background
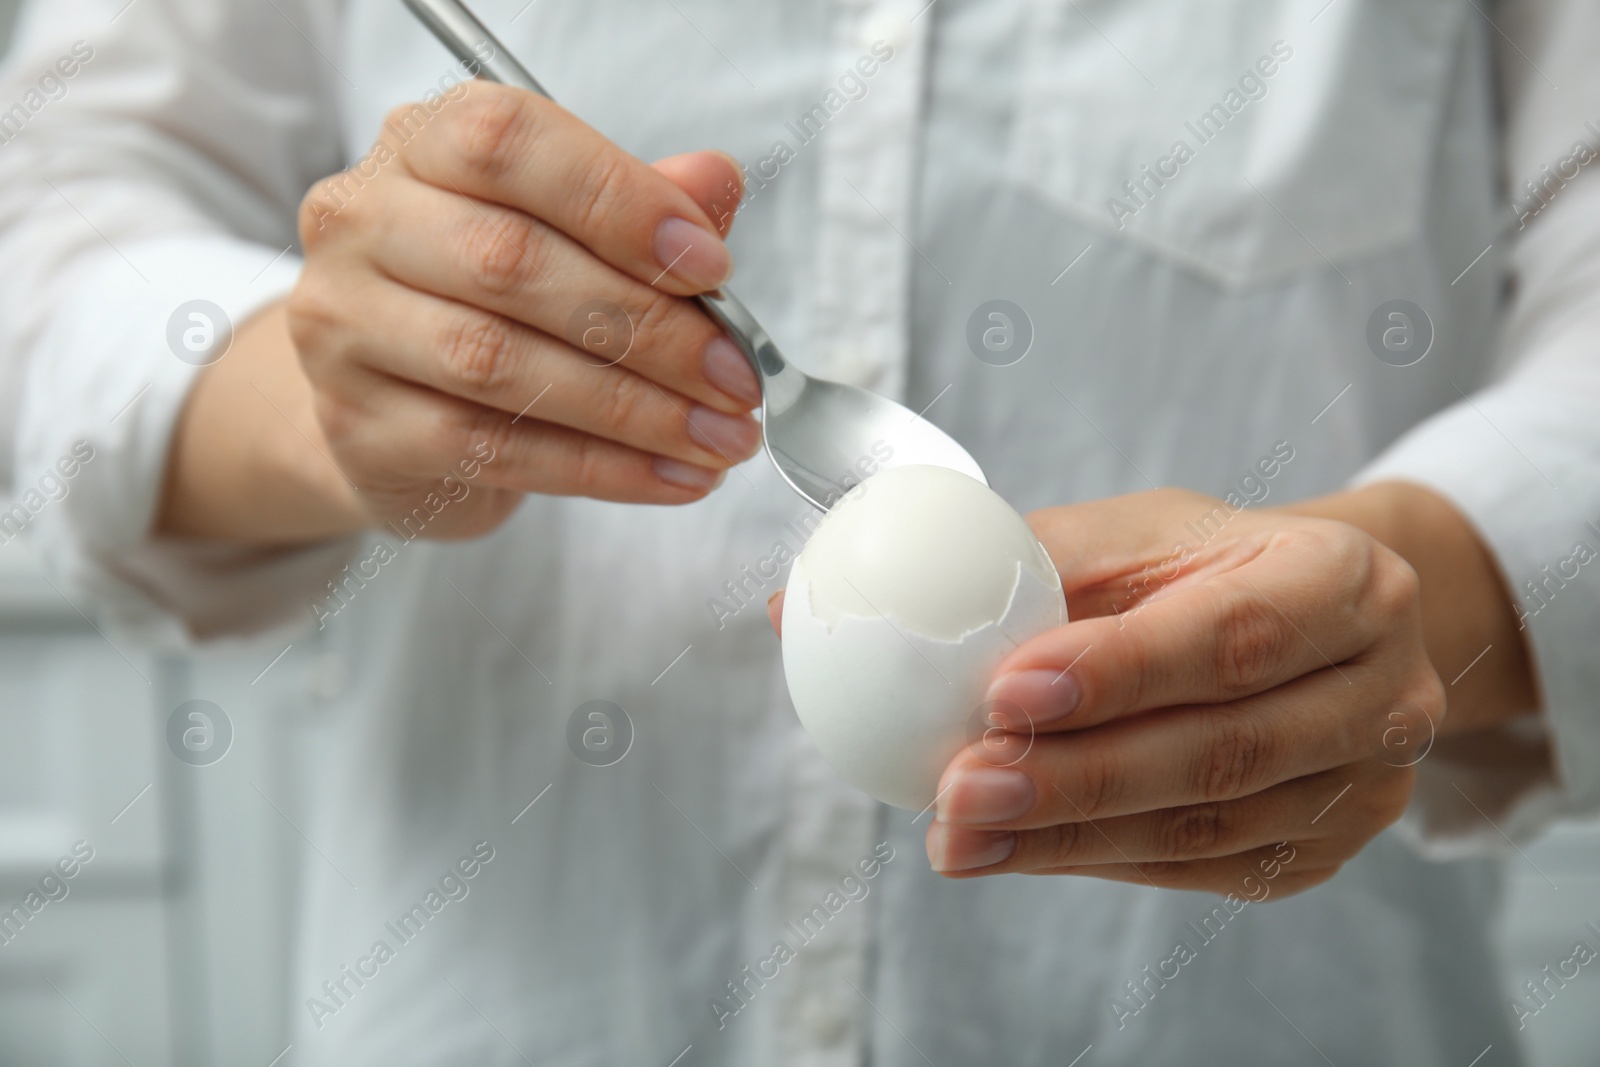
172, 945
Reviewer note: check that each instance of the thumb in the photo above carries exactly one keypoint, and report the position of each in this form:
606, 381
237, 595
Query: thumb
713, 179
1117, 552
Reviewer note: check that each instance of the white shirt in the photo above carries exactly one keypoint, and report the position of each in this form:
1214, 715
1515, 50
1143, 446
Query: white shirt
1179, 334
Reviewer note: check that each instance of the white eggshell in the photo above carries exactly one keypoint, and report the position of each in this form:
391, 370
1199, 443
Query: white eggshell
889, 706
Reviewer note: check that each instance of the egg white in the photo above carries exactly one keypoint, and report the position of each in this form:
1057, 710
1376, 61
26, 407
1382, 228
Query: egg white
889, 706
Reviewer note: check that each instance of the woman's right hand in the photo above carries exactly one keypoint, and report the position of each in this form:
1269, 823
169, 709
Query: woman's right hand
441, 316
497, 280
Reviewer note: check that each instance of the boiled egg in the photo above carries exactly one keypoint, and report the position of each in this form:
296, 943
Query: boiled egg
900, 607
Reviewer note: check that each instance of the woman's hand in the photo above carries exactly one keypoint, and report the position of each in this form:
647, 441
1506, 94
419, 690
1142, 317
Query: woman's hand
1230, 681
497, 280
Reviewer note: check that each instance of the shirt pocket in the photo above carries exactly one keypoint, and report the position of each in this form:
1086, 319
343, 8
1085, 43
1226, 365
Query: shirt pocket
1245, 139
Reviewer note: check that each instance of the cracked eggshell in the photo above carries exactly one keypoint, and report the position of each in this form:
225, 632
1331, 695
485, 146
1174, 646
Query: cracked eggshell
899, 609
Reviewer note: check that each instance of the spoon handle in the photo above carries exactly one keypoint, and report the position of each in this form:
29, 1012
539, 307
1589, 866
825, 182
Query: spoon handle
459, 30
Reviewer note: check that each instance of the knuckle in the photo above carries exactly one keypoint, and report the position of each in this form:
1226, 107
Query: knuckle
1129, 677
619, 399
1393, 588
1236, 760
491, 129
1345, 554
1432, 697
1096, 784
308, 221
588, 463
1351, 551
477, 352
327, 207
1251, 639
404, 121
483, 427
1342, 546
313, 320
1065, 844
501, 255
601, 189
656, 323
1193, 832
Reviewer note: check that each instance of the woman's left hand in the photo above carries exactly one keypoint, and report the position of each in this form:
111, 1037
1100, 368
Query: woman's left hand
1230, 681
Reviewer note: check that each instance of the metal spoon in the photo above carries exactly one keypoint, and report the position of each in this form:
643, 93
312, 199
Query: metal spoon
822, 436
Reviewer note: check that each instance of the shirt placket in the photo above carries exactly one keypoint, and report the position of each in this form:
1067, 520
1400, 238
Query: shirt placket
866, 183
866, 194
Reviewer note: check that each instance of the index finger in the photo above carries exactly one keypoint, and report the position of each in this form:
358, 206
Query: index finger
519, 149
1228, 636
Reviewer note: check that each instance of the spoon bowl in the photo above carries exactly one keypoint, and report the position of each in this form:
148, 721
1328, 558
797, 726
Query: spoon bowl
834, 435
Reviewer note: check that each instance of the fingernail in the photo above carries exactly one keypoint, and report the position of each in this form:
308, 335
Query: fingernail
1044, 696
728, 370
735, 437
951, 848
686, 475
986, 794
694, 254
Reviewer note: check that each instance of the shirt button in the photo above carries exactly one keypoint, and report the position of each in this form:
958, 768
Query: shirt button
891, 27
826, 1023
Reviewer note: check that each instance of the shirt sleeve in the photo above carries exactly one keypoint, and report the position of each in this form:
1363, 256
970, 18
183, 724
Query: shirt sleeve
1521, 458
150, 171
